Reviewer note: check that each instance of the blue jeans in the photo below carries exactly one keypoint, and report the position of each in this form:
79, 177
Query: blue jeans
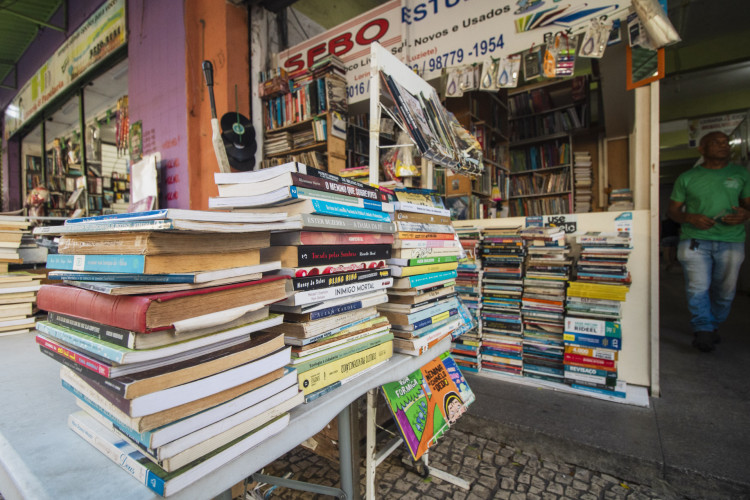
711, 270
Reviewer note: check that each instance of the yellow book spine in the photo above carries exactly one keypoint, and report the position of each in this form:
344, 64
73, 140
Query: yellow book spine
430, 268
323, 376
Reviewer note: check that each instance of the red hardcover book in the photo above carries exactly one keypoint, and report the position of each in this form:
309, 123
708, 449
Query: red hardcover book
146, 313
330, 238
602, 364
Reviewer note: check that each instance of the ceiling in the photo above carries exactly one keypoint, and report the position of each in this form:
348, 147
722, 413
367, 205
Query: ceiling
20, 21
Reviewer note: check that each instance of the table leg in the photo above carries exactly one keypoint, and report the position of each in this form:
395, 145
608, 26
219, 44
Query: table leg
349, 451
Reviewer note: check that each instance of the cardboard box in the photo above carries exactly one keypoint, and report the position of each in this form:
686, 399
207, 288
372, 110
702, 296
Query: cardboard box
457, 185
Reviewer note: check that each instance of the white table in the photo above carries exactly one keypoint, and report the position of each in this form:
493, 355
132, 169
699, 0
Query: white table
40, 458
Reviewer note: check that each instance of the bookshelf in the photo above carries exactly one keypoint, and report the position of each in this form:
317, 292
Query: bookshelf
543, 120
306, 121
358, 138
485, 116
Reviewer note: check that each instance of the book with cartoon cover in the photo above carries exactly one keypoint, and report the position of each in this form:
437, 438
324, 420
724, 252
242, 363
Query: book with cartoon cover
426, 402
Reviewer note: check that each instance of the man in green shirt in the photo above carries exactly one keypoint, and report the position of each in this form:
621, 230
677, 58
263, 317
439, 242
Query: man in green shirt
712, 203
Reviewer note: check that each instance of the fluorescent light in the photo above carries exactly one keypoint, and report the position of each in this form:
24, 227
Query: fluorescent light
13, 111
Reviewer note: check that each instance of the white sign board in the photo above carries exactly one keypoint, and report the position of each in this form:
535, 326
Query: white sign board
435, 34
721, 123
97, 37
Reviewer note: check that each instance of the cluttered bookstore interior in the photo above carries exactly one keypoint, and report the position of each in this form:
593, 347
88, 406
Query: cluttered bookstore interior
209, 260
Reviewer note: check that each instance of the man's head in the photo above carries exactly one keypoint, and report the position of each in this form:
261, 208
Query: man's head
715, 147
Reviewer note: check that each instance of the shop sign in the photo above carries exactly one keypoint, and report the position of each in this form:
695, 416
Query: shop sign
436, 34
722, 123
568, 222
100, 35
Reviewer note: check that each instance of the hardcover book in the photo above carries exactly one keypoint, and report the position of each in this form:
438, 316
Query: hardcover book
145, 313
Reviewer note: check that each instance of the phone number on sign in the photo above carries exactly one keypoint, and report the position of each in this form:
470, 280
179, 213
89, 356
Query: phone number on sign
454, 57
360, 88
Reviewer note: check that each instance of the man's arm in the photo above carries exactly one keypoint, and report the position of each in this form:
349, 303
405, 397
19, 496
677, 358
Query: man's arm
740, 215
700, 221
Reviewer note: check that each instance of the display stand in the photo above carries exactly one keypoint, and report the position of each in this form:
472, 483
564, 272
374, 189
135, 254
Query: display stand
382, 59
36, 446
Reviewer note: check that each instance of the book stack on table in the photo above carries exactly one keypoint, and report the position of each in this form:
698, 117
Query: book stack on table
423, 306
593, 336
12, 230
18, 301
163, 349
465, 349
502, 287
17, 288
336, 259
543, 303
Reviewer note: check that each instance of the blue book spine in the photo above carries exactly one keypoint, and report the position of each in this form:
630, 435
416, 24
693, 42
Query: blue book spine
144, 438
592, 341
299, 192
121, 452
101, 263
338, 210
426, 279
125, 278
81, 341
108, 226
331, 311
151, 214
606, 392
428, 321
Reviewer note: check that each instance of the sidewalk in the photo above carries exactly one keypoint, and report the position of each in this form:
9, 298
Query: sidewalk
520, 442
693, 441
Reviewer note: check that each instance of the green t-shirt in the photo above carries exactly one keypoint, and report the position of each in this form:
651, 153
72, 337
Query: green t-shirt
712, 193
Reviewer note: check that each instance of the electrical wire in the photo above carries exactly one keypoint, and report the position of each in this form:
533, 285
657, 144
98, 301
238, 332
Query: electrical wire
294, 13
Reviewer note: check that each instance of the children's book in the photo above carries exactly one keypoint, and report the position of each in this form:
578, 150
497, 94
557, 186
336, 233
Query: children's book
426, 402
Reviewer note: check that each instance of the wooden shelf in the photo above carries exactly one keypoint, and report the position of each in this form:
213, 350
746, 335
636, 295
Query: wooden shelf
540, 170
557, 193
546, 111
295, 125
538, 139
309, 147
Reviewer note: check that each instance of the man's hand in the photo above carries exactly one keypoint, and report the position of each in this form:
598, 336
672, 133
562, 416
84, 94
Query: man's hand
739, 216
700, 221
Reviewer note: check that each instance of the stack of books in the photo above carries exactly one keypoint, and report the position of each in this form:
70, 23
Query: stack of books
12, 230
604, 258
593, 336
18, 301
278, 143
620, 200
502, 286
158, 326
583, 180
361, 174
423, 307
543, 304
336, 261
465, 349
591, 352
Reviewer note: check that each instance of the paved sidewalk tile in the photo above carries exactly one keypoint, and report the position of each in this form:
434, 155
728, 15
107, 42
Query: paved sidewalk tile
493, 469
